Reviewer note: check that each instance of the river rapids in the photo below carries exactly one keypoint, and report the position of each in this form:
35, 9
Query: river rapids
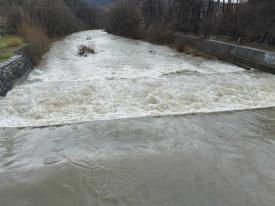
128, 78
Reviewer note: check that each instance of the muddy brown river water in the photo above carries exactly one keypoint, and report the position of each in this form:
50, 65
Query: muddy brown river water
203, 159
137, 124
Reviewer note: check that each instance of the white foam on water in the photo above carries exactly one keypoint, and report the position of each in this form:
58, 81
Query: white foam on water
128, 78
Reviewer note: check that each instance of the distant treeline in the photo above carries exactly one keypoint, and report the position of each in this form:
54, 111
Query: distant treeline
250, 20
40, 21
57, 17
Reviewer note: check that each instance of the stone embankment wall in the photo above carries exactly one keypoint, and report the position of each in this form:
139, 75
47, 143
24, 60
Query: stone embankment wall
243, 56
12, 71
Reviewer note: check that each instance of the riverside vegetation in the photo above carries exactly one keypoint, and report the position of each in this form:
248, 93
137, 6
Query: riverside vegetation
8, 46
242, 21
42, 21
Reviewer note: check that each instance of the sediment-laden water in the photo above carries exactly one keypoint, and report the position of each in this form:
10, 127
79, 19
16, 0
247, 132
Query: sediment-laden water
204, 160
128, 78
208, 158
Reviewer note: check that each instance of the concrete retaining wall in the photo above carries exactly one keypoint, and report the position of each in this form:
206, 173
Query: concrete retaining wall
12, 70
246, 57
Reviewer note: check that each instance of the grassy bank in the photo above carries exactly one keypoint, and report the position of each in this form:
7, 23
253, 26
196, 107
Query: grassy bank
9, 45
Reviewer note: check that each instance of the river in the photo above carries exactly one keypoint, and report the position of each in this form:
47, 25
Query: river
128, 78
137, 124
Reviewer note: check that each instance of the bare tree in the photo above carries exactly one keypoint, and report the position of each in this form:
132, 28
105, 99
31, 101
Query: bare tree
124, 18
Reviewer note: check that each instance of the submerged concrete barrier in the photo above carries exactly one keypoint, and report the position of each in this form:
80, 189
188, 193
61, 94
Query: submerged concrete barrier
243, 56
12, 70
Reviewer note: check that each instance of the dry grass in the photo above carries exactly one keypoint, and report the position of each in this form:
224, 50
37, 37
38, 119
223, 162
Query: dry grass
6, 55
159, 34
84, 50
188, 49
15, 42
8, 46
37, 40
10, 41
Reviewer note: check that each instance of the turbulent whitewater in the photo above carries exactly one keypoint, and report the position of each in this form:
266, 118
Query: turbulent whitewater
128, 78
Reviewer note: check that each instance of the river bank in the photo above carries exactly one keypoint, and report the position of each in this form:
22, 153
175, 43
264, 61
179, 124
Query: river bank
244, 56
247, 57
14, 70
